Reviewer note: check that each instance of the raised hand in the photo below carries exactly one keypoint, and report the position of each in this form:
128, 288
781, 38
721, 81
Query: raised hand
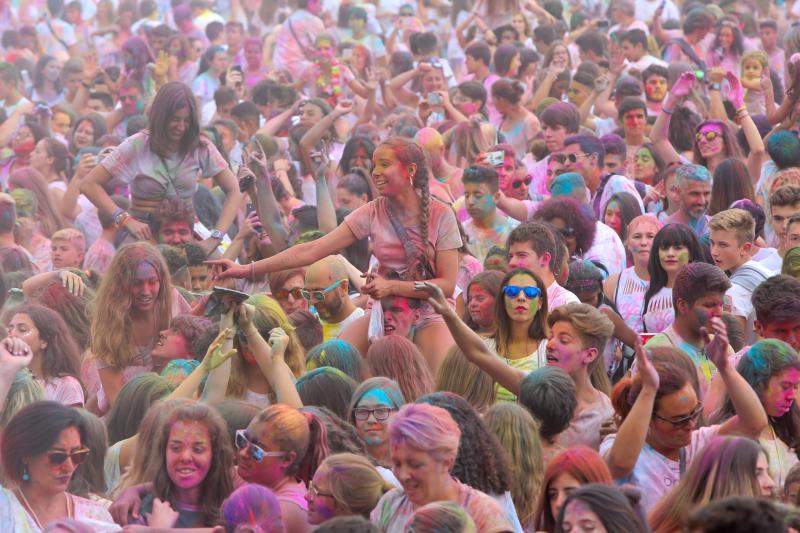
214, 356
716, 348
645, 368
225, 269
72, 282
435, 296
684, 85
278, 341
735, 91
14, 356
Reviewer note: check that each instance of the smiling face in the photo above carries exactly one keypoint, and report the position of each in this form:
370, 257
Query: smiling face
389, 175
374, 432
674, 406
644, 166
726, 38
178, 124
560, 55
84, 135
420, 475
520, 308
175, 233
709, 140
321, 507
188, 454
433, 80
779, 393
171, 345
565, 349
480, 306
55, 478
146, 287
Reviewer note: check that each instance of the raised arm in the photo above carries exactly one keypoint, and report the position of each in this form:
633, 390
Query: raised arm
660, 132
751, 133
471, 344
631, 436
318, 130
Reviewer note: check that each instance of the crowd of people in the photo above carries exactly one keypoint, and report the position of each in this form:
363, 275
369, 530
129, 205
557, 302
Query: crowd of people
389, 266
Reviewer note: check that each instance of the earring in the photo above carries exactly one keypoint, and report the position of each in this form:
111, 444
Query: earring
25, 475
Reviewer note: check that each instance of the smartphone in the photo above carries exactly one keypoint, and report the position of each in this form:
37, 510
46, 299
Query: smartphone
237, 68
238, 296
496, 159
434, 99
603, 24
91, 150
250, 208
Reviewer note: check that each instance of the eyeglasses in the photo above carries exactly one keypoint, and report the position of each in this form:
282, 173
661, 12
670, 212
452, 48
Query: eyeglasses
380, 413
709, 135
567, 232
572, 158
314, 491
517, 184
78, 457
406, 14
256, 452
319, 295
131, 97
512, 291
683, 421
283, 294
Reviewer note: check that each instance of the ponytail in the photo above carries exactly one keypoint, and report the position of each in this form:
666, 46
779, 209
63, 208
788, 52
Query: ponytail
317, 449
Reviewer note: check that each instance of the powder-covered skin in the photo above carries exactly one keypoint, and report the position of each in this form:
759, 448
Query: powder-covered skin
188, 454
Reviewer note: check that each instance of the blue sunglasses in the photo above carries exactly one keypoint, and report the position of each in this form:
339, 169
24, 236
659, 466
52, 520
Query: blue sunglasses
512, 291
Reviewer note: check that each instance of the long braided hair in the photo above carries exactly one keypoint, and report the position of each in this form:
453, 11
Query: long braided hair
408, 152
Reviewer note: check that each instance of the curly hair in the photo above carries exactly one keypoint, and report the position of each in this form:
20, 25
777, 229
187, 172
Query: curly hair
410, 153
172, 210
198, 332
218, 483
481, 462
576, 216
112, 329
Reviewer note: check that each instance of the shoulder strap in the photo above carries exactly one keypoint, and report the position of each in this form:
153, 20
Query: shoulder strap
308, 55
686, 49
411, 250
55, 36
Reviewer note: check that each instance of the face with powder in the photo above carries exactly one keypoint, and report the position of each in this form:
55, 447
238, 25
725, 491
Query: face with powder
372, 414
146, 287
779, 393
188, 454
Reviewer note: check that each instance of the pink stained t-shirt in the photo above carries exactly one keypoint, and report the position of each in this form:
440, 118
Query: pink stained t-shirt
372, 220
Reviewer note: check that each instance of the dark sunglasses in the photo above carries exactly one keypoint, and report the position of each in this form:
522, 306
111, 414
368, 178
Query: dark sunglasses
683, 421
130, 97
519, 183
282, 294
567, 232
512, 291
78, 457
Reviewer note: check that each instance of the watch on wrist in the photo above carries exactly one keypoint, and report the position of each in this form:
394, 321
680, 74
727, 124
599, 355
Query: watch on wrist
216, 234
714, 87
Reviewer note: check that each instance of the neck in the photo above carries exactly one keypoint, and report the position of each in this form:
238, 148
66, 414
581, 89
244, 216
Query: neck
359, 33
670, 453
686, 334
715, 160
36, 366
347, 308
634, 139
256, 382
641, 271
488, 221
52, 176
595, 183
41, 499
584, 390
407, 201
482, 72
519, 331
547, 278
444, 492
189, 496
736, 267
380, 452
671, 279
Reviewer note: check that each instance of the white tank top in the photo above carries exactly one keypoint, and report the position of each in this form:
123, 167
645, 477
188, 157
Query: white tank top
629, 298
659, 315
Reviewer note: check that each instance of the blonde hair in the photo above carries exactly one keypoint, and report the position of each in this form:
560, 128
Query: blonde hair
518, 433
758, 55
72, 236
737, 221
594, 330
24, 390
458, 375
441, 517
354, 482
268, 315
112, 328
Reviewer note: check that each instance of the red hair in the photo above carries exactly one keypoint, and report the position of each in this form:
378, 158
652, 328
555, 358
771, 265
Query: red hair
580, 462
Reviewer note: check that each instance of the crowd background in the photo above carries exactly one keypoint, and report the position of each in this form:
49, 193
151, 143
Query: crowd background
491, 265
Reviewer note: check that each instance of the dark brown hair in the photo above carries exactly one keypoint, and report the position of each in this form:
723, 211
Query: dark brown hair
171, 98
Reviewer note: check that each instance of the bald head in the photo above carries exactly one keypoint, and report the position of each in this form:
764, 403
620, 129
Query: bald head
329, 274
325, 271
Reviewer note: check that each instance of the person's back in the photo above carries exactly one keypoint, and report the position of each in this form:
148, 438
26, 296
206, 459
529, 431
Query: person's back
296, 36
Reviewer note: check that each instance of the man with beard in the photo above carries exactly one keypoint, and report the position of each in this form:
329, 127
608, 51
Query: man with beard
326, 289
694, 182
654, 78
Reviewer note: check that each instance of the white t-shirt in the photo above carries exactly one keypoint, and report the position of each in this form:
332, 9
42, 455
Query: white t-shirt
654, 474
331, 330
558, 296
740, 295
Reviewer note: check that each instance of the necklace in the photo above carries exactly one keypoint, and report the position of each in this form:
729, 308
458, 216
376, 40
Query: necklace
29, 508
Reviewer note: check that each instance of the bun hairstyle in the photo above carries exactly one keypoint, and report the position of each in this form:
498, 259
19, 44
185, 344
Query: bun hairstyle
508, 89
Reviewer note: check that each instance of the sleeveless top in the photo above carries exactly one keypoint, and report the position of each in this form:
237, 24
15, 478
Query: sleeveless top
629, 298
659, 314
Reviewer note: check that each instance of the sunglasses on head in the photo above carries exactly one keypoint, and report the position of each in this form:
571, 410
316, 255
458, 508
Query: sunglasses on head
683, 421
519, 183
512, 291
709, 135
78, 457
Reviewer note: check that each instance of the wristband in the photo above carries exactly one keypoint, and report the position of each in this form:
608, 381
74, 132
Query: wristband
740, 109
666, 111
714, 87
120, 217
